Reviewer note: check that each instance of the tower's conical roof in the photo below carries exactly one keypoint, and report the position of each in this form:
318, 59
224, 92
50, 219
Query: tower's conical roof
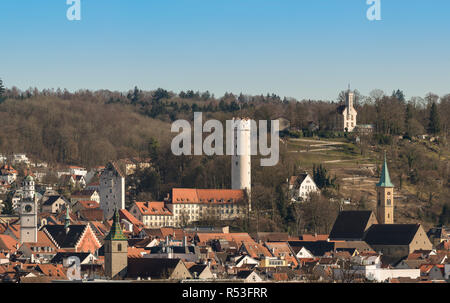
116, 231
385, 180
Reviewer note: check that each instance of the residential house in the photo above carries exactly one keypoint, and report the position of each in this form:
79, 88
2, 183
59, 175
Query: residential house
85, 195
301, 187
191, 205
54, 204
201, 272
248, 276
152, 214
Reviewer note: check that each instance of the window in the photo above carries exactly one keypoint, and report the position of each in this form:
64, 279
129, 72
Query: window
119, 247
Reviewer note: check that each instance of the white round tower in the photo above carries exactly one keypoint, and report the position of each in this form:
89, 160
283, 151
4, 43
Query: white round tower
241, 158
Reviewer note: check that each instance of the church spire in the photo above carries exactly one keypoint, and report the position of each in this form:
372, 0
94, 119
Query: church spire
385, 179
116, 230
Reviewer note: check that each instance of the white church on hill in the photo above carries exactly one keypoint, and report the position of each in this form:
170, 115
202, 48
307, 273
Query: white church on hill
345, 118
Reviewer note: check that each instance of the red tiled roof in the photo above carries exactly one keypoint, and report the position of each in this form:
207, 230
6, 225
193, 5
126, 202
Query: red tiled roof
153, 208
89, 204
279, 249
8, 243
231, 237
192, 195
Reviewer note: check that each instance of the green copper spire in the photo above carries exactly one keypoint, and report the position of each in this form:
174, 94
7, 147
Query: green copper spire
385, 180
116, 231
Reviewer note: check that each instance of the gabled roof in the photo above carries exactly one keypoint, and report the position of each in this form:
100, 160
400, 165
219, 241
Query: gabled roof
117, 167
153, 208
255, 250
60, 256
53, 199
93, 214
83, 193
317, 248
65, 240
244, 274
88, 204
197, 268
350, 225
154, 268
192, 195
8, 243
391, 234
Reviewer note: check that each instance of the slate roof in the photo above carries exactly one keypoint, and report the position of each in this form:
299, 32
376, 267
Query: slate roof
63, 239
198, 268
350, 224
59, 257
151, 267
53, 199
391, 234
317, 248
243, 274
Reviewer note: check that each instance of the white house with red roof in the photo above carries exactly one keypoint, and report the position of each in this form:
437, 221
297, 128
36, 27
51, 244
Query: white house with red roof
190, 204
152, 214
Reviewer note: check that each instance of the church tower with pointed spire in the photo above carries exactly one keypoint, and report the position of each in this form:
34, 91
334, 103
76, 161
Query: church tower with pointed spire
116, 250
385, 196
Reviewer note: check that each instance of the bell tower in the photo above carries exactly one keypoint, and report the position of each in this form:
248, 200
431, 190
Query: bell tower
385, 196
116, 250
28, 212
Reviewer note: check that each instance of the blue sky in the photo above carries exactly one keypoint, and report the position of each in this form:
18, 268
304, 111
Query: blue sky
294, 48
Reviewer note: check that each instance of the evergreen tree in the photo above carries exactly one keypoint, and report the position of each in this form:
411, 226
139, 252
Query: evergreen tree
435, 124
399, 95
7, 205
2, 90
444, 218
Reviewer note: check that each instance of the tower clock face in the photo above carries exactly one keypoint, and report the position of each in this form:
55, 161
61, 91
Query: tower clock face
28, 208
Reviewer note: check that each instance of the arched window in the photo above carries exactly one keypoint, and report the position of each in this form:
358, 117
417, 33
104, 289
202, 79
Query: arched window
119, 247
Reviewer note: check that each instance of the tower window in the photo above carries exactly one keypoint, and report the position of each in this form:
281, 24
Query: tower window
388, 201
119, 247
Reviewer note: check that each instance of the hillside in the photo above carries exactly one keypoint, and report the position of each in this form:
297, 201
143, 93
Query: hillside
76, 131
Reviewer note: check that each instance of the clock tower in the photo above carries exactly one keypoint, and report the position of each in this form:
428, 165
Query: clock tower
28, 212
385, 197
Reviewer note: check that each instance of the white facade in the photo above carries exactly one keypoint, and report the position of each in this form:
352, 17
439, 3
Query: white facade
241, 158
193, 212
375, 273
75, 170
28, 213
349, 113
112, 190
303, 186
21, 158
152, 214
